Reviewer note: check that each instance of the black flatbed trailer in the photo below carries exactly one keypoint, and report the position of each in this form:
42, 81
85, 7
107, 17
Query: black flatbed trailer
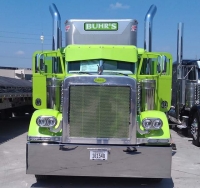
15, 97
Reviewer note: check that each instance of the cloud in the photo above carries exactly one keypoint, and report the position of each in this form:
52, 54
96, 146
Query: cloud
118, 5
20, 52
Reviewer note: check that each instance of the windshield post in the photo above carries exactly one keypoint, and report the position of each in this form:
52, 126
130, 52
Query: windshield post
100, 67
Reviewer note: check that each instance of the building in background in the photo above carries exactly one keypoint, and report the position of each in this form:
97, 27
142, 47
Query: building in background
15, 72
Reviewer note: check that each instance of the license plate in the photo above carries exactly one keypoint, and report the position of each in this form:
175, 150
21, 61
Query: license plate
98, 155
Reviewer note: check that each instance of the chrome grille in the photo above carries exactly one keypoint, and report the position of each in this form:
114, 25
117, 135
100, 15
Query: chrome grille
198, 95
99, 111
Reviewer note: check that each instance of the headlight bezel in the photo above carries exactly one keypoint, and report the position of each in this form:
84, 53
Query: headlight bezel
152, 126
147, 120
40, 119
46, 118
160, 121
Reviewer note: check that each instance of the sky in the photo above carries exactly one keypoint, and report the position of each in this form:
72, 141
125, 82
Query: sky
22, 23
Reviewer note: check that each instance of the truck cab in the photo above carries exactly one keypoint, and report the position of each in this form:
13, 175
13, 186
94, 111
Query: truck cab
188, 98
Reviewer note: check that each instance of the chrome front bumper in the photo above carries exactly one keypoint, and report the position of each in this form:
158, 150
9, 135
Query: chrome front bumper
74, 160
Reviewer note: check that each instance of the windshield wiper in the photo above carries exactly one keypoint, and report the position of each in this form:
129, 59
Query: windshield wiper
115, 73
81, 72
120, 73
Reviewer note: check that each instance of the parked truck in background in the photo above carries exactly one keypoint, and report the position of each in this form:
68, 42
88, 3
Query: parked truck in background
185, 112
101, 103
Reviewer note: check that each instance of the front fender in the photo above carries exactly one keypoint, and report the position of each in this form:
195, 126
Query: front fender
163, 133
35, 130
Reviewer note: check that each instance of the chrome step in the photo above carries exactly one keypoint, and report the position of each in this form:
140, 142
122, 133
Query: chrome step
181, 126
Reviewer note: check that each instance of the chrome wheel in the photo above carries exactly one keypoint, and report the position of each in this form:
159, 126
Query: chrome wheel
194, 129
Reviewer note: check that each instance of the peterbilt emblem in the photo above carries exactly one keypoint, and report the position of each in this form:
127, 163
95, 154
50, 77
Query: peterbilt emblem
99, 80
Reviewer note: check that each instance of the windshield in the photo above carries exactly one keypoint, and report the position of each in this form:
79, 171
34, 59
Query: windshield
199, 74
106, 66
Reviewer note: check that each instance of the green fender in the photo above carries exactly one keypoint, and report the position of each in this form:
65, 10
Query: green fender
163, 133
35, 130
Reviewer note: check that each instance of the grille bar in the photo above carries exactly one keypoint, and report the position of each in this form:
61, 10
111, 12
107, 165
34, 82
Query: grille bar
99, 111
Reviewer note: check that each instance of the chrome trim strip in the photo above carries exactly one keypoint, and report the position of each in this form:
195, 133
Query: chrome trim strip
99, 149
39, 138
123, 141
152, 141
112, 80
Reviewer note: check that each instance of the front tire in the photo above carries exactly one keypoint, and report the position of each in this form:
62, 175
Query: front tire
41, 177
156, 180
195, 129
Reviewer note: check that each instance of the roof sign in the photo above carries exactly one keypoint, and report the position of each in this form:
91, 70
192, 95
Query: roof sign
101, 26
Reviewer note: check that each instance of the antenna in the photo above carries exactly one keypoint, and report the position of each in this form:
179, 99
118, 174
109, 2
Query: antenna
42, 40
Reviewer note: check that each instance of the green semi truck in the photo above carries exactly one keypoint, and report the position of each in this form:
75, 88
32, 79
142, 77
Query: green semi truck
101, 102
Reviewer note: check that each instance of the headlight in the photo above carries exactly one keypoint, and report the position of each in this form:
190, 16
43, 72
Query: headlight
51, 121
41, 121
152, 123
157, 124
147, 123
46, 121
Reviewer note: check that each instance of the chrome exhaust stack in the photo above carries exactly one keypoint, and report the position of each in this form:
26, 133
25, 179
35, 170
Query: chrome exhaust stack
57, 34
148, 28
180, 95
54, 84
179, 49
183, 97
148, 94
147, 86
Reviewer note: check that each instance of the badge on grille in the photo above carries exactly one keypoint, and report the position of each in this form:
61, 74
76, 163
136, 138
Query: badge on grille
99, 80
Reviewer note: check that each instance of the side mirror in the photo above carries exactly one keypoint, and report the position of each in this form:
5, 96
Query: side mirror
161, 64
41, 62
158, 68
42, 65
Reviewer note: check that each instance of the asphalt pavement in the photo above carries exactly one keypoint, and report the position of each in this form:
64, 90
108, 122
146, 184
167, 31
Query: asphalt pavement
13, 132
